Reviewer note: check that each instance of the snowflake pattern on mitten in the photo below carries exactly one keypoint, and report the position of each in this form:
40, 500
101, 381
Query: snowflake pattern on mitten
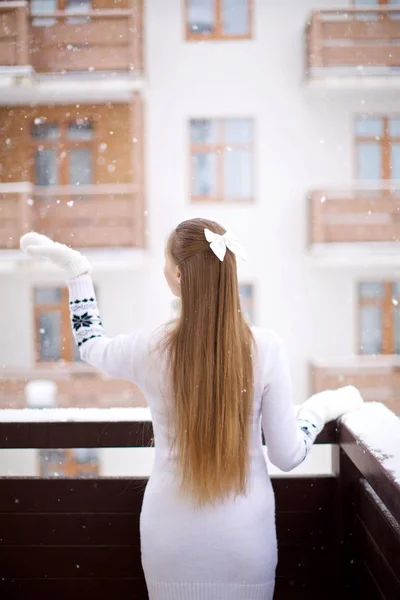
310, 432
85, 320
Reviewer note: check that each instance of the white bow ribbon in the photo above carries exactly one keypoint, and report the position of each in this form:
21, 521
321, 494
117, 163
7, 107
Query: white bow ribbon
219, 244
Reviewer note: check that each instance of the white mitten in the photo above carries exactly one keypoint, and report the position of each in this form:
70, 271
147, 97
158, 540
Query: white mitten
72, 261
332, 404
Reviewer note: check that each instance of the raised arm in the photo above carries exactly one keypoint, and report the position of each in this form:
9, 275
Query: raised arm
288, 436
123, 356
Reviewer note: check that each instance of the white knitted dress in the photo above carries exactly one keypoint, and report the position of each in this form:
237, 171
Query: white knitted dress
227, 552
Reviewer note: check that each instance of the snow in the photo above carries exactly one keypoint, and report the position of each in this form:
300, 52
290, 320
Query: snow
55, 415
379, 430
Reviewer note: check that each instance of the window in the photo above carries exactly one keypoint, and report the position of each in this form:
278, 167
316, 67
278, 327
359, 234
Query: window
379, 317
78, 462
218, 19
378, 147
53, 335
372, 16
221, 160
246, 291
63, 152
49, 7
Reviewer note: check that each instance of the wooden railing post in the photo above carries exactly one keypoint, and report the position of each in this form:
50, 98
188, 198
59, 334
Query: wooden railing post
135, 34
138, 168
317, 201
315, 42
25, 213
22, 44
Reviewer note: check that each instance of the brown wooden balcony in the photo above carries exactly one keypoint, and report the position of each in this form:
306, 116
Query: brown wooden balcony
63, 41
78, 384
87, 216
357, 214
339, 535
377, 377
354, 41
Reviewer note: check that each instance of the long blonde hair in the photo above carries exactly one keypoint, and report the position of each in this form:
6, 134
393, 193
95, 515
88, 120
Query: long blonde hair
210, 361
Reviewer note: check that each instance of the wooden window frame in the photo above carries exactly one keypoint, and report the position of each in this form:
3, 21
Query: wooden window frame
385, 141
66, 347
63, 144
218, 148
218, 33
385, 302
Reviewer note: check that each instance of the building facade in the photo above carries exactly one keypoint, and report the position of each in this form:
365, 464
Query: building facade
280, 120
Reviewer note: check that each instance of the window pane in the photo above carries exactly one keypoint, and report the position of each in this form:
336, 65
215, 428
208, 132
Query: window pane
203, 131
238, 174
49, 335
397, 329
395, 161
201, 16
47, 295
80, 166
247, 301
52, 463
394, 126
45, 131
85, 455
235, 17
369, 157
396, 289
371, 330
46, 172
394, 16
204, 174
78, 6
371, 290
43, 6
81, 130
237, 131
369, 126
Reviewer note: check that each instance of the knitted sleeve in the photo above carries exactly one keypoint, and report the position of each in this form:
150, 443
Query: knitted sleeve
288, 439
123, 356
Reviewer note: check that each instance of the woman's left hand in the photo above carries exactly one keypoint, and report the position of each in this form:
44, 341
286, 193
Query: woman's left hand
72, 261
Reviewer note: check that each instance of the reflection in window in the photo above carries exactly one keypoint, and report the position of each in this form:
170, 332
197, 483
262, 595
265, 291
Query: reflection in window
218, 19
80, 166
379, 323
46, 168
78, 462
54, 339
378, 143
246, 292
222, 159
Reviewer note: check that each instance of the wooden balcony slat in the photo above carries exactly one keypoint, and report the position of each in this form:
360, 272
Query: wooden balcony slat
370, 56
371, 469
67, 561
78, 589
379, 523
376, 31
82, 59
387, 580
93, 496
114, 33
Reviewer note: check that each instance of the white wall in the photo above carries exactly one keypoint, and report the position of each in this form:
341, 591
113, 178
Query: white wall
303, 140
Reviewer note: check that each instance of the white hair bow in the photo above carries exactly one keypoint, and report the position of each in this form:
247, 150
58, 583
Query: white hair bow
219, 244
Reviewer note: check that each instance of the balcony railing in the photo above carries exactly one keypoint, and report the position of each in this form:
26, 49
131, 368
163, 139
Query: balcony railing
377, 377
363, 213
339, 535
90, 216
99, 40
356, 41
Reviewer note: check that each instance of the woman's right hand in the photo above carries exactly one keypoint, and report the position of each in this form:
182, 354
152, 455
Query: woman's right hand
330, 405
